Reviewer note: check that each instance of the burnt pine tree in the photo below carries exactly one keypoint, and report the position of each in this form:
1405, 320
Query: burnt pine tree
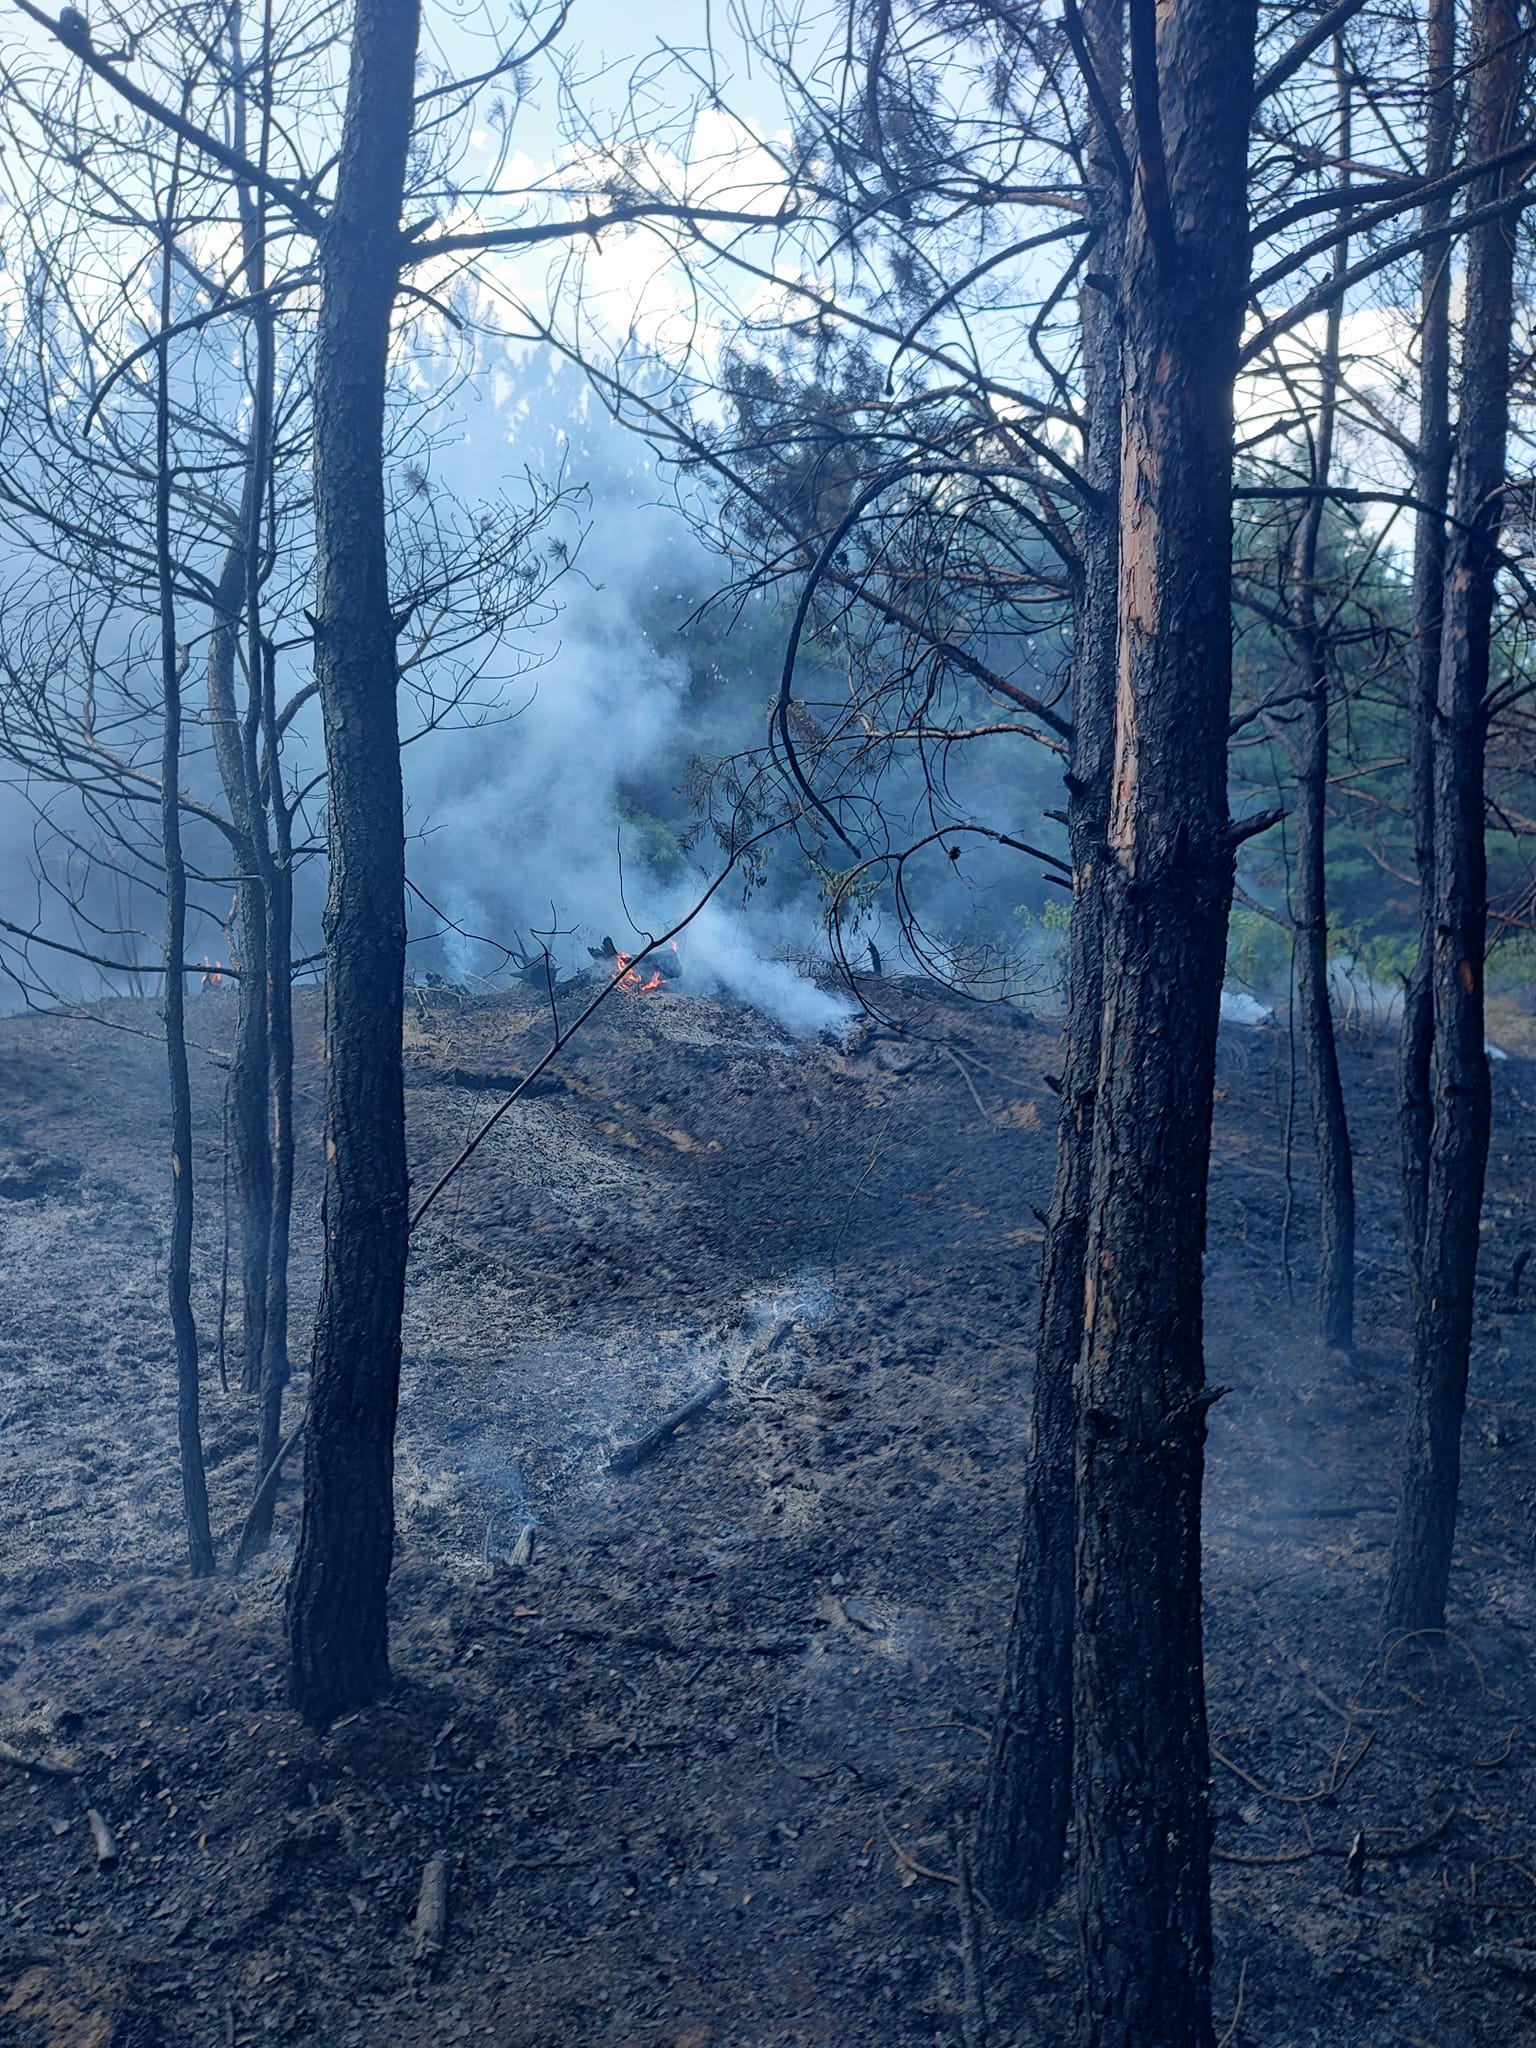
338, 1655
194, 1486
1026, 1799
1313, 658
1141, 1755
242, 452
250, 765
1419, 1572
1431, 488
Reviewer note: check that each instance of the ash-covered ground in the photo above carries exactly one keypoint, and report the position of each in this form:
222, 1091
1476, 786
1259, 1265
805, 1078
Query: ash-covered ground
697, 1768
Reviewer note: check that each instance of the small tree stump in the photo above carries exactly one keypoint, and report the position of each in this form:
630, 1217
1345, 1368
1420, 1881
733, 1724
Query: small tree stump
104, 1839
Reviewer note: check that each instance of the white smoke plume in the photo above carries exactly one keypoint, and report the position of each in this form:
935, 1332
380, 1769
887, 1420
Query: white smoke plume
518, 832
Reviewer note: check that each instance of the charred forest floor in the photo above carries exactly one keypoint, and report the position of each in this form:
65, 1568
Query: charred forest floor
696, 1770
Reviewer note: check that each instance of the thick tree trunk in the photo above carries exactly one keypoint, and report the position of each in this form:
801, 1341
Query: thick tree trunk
1027, 1795
1432, 477
1330, 1125
337, 1618
194, 1487
1141, 1792
1419, 1573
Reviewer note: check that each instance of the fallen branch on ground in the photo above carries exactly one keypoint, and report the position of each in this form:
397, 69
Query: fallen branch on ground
908, 1861
628, 1457
1387, 1852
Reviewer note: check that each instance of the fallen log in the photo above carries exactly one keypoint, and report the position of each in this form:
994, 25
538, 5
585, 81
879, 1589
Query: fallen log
430, 1929
628, 1457
42, 1766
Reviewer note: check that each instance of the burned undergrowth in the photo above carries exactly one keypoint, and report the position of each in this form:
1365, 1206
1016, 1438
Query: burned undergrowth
695, 1761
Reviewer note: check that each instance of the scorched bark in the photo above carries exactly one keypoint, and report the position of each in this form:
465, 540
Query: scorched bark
194, 1486
337, 1621
1419, 1573
1141, 1792
1027, 1796
1330, 1124
1431, 484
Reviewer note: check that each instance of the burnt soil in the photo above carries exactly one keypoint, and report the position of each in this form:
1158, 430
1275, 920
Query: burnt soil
697, 1768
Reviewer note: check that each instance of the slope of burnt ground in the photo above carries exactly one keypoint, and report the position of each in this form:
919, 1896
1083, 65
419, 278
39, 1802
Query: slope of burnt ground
695, 1768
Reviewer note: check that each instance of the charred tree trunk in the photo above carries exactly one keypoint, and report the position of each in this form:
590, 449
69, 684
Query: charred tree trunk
337, 1598
1330, 1125
1432, 476
194, 1486
248, 1074
1419, 1573
275, 1363
1027, 1795
270, 831
265, 770
1141, 1792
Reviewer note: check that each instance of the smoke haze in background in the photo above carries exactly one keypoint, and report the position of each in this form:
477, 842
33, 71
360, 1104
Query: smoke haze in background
517, 824
549, 812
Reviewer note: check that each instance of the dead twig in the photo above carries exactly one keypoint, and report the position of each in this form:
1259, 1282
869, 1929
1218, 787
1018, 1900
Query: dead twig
963, 1071
1402, 1850
1265, 1862
1491, 1763
262, 1499
972, 1956
1444, 1635
1383, 1852
1354, 1711
908, 1861
1336, 1783
1237, 2011
1367, 1507
1331, 1790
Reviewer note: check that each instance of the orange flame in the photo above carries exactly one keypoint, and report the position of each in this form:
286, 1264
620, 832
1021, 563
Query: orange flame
213, 973
630, 980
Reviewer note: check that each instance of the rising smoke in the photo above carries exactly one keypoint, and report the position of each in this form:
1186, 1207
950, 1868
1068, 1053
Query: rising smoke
523, 827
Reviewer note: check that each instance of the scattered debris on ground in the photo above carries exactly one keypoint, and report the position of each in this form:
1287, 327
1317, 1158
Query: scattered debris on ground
716, 1393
